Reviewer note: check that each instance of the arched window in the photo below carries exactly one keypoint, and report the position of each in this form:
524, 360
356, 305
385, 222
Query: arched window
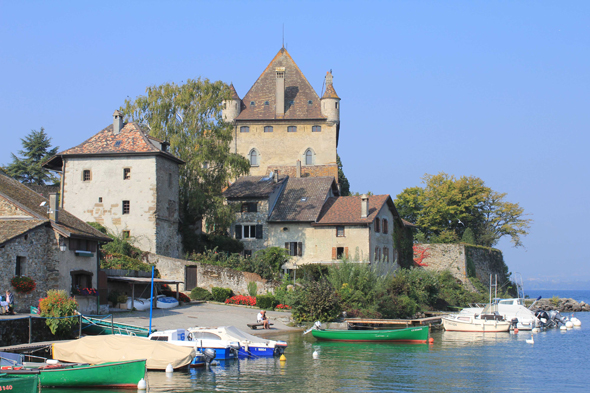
254, 158
385, 226
308, 157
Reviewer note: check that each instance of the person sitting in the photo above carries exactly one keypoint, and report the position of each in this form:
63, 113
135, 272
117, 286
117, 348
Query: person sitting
261, 318
9, 308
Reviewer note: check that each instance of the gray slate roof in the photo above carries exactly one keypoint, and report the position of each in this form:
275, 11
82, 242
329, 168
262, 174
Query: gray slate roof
252, 187
303, 198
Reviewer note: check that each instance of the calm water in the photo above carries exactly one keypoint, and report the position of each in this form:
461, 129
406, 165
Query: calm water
557, 362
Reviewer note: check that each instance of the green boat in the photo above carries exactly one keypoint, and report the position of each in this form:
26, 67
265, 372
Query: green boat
95, 327
104, 375
21, 384
409, 335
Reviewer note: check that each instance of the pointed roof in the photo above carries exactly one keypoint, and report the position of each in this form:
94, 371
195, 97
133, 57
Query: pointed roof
234, 93
130, 140
297, 90
330, 92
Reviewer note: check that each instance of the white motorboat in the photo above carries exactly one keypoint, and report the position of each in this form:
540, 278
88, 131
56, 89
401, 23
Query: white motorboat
139, 304
182, 337
487, 323
250, 346
511, 309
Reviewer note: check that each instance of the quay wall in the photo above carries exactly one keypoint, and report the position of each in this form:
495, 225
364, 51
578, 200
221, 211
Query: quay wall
16, 331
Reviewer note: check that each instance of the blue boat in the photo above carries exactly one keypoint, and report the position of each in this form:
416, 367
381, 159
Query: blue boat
201, 342
249, 345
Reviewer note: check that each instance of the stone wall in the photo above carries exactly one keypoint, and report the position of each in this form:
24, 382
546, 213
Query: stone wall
209, 276
464, 261
16, 331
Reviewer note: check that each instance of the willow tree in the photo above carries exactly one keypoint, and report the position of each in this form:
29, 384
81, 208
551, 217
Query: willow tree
189, 117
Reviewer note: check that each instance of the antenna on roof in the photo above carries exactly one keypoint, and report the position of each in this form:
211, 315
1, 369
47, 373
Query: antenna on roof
283, 35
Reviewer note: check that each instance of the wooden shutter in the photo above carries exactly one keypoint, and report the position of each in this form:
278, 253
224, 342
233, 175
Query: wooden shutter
334, 253
346, 252
299, 249
258, 231
238, 231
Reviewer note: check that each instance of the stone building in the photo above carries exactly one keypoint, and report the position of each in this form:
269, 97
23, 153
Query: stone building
127, 181
282, 121
311, 220
40, 240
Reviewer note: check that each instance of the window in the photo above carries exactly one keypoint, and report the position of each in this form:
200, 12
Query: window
340, 231
252, 103
308, 157
126, 173
316, 128
386, 254
336, 105
86, 175
268, 129
126, 207
126, 234
83, 245
247, 253
295, 249
291, 103
254, 159
377, 254
99, 199
339, 252
292, 129
249, 231
250, 207
244, 129
19, 269
118, 143
385, 226
309, 102
377, 226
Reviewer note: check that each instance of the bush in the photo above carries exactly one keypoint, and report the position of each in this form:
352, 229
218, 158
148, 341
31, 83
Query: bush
243, 300
55, 306
252, 288
23, 284
398, 307
220, 294
201, 294
317, 301
201, 243
266, 301
121, 245
122, 298
261, 263
124, 262
114, 297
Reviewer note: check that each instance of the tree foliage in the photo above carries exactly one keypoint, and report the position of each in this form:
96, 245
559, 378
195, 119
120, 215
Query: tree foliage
445, 207
36, 149
189, 117
342, 180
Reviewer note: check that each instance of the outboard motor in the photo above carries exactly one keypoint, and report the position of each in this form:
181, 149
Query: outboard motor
234, 348
209, 355
514, 323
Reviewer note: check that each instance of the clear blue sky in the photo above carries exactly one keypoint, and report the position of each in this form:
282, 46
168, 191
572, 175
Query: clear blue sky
498, 90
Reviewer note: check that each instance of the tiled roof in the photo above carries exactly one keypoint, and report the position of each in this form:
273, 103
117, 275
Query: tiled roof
330, 92
297, 89
12, 228
29, 201
302, 199
131, 139
234, 93
347, 210
252, 187
44, 190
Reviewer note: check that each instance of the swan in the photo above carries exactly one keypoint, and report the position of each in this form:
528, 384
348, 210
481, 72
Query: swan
531, 341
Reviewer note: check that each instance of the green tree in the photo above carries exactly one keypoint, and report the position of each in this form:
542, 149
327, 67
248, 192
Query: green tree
446, 206
342, 180
36, 149
189, 117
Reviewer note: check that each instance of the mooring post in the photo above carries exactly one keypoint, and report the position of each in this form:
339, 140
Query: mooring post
30, 327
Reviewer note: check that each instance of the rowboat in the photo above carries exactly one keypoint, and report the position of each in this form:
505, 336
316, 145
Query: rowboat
408, 335
24, 384
95, 327
104, 375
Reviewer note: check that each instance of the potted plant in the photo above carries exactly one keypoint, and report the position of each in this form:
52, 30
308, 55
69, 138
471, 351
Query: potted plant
122, 300
23, 284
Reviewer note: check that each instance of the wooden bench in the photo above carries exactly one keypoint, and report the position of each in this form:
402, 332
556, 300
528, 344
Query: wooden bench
254, 326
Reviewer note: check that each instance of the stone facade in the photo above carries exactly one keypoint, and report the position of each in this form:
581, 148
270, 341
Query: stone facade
306, 171
151, 188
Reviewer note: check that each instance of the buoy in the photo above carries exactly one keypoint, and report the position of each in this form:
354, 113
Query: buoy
569, 325
516, 330
283, 358
141, 384
576, 322
315, 355
536, 330
562, 327
169, 368
430, 340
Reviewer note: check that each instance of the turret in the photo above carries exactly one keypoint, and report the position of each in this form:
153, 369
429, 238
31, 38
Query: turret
232, 107
330, 101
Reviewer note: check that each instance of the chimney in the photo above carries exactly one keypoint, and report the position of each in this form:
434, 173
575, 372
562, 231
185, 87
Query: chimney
53, 209
280, 95
117, 122
298, 166
364, 206
276, 176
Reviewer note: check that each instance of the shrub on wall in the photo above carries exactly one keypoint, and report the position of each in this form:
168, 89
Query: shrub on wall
220, 294
266, 301
23, 284
201, 294
120, 261
55, 307
252, 288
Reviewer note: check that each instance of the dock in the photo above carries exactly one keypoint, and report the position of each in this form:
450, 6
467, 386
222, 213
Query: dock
363, 322
28, 348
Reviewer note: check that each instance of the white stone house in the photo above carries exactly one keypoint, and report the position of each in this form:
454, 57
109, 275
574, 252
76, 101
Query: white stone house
40, 240
127, 181
309, 218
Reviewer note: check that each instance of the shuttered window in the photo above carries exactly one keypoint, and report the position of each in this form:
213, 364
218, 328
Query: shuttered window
294, 248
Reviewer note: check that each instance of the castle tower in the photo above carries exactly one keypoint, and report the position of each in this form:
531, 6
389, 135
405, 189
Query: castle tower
232, 107
330, 101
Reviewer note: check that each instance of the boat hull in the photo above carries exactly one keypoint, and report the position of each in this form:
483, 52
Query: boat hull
21, 383
407, 335
96, 327
474, 325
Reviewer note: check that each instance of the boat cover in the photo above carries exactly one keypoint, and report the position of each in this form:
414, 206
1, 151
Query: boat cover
114, 348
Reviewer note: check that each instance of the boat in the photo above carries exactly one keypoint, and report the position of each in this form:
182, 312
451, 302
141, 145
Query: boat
125, 374
114, 348
487, 323
97, 326
20, 384
139, 303
182, 337
163, 301
417, 334
249, 345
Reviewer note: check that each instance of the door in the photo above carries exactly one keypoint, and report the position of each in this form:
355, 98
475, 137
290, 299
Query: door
190, 277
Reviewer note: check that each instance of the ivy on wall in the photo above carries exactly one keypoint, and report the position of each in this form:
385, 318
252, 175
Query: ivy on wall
403, 239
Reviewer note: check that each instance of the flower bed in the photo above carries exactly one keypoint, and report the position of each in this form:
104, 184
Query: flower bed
283, 307
243, 300
23, 284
